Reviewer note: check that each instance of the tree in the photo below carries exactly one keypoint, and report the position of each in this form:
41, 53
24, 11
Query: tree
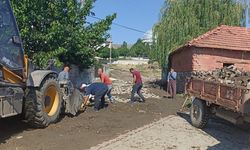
123, 50
182, 20
58, 29
105, 53
141, 49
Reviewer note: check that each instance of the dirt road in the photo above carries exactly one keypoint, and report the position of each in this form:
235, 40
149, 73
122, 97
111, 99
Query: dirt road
86, 130
175, 132
89, 128
150, 125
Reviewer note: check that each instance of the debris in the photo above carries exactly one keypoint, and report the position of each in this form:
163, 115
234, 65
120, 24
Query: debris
142, 111
121, 87
98, 131
226, 75
19, 137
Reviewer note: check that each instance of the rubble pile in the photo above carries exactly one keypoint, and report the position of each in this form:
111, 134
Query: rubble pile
121, 87
227, 75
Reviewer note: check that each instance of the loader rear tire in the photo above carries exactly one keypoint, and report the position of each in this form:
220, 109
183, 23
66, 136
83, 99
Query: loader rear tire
199, 113
43, 105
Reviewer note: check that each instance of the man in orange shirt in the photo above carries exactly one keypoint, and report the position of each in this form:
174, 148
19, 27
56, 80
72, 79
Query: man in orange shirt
105, 79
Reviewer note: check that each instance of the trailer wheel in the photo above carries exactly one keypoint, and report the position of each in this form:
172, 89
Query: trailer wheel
199, 113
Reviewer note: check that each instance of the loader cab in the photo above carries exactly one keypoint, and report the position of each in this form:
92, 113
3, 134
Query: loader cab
11, 51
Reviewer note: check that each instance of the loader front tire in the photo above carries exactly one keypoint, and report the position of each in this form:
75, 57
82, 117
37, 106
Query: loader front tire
42, 105
199, 113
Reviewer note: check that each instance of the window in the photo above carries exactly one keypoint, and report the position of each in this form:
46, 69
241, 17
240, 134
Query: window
11, 54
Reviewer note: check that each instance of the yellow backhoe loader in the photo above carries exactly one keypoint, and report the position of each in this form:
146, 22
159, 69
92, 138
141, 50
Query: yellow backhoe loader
35, 93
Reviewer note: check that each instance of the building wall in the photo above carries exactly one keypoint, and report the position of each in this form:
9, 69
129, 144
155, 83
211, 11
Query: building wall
205, 59
210, 59
182, 61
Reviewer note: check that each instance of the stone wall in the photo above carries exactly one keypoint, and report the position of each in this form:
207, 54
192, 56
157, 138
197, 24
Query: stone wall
181, 81
78, 76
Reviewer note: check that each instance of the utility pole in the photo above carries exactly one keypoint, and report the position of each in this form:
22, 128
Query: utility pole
110, 51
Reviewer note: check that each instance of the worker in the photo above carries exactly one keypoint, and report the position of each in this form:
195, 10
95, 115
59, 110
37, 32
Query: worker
64, 75
105, 79
137, 85
99, 90
172, 83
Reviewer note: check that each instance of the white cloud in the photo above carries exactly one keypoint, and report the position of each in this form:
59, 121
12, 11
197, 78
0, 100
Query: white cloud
148, 36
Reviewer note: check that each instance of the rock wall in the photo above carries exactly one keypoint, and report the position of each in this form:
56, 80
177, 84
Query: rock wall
78, 76
181, 81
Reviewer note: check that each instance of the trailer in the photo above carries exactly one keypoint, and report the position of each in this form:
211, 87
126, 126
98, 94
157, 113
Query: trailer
229, 102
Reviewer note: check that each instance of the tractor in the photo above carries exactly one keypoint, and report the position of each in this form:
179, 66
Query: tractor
37, 94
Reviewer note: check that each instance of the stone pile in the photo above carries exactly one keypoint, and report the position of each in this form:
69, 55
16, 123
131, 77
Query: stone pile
124, 88
227, 75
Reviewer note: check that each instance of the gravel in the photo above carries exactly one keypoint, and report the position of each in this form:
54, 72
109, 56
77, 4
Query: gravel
121, 87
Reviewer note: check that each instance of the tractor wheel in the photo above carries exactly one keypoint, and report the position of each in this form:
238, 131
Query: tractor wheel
199, 113
42, 105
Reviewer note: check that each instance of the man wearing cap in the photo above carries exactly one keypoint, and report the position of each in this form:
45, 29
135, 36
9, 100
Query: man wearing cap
99, 90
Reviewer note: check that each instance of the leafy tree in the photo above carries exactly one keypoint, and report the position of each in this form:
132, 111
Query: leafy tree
182, 20
141, 49
105, 53
123, 50
58, 29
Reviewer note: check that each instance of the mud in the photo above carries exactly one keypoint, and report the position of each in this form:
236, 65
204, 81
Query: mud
89, 128
151, 125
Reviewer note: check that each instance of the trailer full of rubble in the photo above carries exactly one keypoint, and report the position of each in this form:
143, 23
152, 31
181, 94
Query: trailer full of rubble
223, 92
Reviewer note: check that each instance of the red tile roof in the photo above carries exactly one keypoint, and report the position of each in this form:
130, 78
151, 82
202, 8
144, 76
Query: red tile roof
224, 37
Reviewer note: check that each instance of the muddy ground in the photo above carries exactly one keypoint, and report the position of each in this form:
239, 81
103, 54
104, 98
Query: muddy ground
89, 128
152, 125
86, 130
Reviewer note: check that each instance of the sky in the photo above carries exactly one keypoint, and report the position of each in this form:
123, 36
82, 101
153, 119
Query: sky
247, 14
136, 14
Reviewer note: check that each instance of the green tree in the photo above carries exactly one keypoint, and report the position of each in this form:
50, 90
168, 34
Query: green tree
141, 49
58, 29
123, 50
182, 20
105, 53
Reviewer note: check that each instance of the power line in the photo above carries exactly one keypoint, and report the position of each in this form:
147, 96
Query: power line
123, 26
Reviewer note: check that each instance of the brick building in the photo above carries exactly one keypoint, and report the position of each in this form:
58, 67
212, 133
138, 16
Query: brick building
222, 46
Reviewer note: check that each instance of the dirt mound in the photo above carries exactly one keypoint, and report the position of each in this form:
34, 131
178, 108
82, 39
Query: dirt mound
227, 75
